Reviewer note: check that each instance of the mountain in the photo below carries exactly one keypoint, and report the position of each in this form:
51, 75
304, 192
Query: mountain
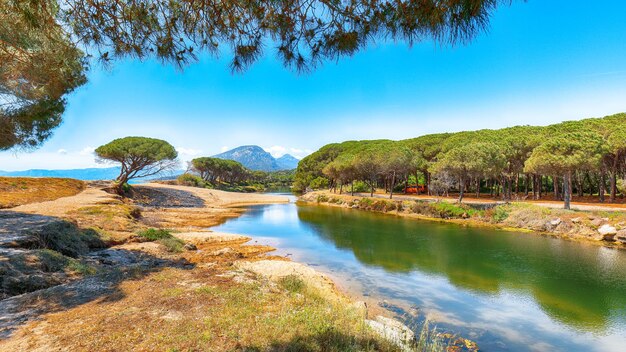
255, 158
287, 162
90, 174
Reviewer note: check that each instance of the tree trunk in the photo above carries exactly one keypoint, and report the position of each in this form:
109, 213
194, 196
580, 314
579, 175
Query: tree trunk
461, 188
602, 186
341, 188
352, 188
372, 183
477, 187
393, 181
613, 185
567, 189
555, 184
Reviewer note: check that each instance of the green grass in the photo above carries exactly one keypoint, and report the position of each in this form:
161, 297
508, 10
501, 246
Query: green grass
155, 234
172, 244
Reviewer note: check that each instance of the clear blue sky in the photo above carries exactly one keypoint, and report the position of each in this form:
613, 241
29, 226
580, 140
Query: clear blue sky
541, 62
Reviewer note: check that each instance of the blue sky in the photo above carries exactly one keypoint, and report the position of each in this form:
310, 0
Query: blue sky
541, 62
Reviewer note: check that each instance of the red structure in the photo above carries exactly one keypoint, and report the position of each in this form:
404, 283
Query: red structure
415, 189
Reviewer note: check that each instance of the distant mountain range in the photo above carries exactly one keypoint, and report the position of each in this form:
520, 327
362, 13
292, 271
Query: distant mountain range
255, 158
90, 174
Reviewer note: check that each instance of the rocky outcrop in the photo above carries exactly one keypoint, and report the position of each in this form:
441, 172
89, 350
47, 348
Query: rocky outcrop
607, 232
394, 331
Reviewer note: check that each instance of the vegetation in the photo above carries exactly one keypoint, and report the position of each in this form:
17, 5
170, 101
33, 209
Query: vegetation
206, 172
139, 157
163, 237
16, 191
44, 44
582, 157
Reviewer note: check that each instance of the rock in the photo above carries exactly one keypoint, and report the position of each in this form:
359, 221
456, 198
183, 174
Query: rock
227, 252
620, 236
190, 247
393, 330
556, 222
607, 230
597, 222
576, 220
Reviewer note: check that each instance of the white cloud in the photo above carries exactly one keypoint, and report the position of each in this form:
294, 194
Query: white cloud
276, 150
87, 151
62, 151
188, 151
224, 148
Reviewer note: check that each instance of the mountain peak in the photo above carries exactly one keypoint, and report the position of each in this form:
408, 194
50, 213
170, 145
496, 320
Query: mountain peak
256, 158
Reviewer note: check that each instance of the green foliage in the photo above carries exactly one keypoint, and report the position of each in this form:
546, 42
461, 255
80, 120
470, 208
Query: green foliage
40, 66
139, 157
191, 181
292, 283
172, 244
499, 214
153, 234
319, 183
360, 186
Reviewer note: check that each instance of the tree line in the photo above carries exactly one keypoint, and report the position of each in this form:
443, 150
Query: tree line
585, 157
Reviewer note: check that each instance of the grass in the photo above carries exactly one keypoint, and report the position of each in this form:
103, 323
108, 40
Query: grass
16, 191
153, 234
200, 310
163, 237
66, 238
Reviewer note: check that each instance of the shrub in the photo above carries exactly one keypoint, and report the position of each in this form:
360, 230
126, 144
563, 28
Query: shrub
155, 234
292, 283
172, 244
360, 186
66, 238
191, 180
499, 214
322, 198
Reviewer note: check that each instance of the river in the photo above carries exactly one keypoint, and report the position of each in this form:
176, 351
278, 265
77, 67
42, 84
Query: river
506, 291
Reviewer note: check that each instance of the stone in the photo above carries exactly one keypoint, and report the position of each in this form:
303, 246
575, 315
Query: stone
190, 247
607, 232
620, 236
394, 331
576, 220
556, 222
597, 222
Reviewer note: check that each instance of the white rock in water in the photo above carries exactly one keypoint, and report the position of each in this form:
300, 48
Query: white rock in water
393, 330
607, 231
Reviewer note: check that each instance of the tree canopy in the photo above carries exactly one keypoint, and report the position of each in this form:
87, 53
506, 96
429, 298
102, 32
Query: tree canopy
138, 157
44, 45
580, 155
40, 65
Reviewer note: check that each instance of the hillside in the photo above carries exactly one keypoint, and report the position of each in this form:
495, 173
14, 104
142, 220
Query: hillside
255, 158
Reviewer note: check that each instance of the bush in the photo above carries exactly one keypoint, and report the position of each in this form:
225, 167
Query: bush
172, 244
499, 214
155, 234
67, 239
292, 283
322, 198
191, 181
361, 187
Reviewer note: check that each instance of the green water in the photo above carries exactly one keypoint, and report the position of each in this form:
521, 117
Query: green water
507, 291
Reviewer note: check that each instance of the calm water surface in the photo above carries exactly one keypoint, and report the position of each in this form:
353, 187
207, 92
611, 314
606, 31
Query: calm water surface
507, 291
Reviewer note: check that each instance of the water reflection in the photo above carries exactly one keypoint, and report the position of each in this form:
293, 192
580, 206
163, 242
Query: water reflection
508, 291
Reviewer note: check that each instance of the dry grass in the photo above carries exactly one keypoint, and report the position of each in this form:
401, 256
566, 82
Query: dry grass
210, 307
15, 191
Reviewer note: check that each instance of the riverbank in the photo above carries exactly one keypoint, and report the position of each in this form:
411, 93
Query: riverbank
95, 272
599, 227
